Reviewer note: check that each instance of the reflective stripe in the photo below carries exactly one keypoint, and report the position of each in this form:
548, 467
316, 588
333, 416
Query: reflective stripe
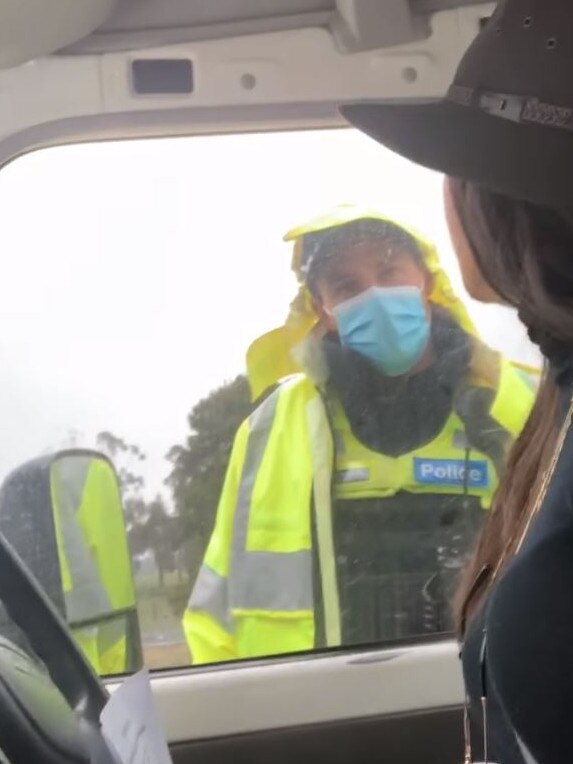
323, 458
258, 580
261, 423
87, 598
275, 581
211, 595
354, 475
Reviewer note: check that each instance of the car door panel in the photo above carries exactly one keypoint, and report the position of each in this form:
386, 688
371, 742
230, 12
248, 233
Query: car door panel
393, 704
432, 736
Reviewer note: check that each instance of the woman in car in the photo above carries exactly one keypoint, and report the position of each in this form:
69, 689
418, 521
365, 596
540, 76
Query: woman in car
504, 137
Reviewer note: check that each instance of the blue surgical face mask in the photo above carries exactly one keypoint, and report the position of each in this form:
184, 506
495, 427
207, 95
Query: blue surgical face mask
387, 325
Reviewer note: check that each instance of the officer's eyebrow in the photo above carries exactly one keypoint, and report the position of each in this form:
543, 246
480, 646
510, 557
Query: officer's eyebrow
336, 275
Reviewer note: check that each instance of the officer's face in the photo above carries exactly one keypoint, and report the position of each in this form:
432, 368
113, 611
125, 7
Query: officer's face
365, 265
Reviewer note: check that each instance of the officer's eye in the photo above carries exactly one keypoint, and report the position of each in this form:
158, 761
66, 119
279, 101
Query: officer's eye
346, 288
387, 270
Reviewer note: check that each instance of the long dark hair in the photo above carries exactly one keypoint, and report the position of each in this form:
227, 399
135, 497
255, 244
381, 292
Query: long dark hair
525, 253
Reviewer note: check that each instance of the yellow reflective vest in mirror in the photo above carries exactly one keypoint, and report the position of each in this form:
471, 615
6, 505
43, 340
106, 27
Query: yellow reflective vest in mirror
254, 593
94, 557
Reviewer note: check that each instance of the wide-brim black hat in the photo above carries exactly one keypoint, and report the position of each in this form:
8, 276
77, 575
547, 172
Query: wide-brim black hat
507, 119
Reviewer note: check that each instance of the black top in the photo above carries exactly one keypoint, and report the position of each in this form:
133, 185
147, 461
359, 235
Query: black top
528, 620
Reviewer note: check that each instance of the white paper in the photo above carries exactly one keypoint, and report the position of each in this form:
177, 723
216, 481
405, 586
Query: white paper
131, 726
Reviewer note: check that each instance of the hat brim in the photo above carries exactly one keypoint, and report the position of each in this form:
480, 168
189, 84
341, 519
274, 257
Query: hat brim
528, 161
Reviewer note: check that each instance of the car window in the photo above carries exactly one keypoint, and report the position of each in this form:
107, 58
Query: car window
220, 445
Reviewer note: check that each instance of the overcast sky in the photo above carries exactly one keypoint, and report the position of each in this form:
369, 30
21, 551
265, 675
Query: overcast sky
135, 275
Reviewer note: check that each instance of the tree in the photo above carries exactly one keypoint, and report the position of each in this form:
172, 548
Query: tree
127, 458
199, 466
162, 530
151, 527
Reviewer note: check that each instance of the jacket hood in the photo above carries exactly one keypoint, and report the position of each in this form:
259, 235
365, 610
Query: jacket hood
292, 347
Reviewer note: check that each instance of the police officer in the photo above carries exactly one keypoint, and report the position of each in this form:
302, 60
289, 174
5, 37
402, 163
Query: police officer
356, 487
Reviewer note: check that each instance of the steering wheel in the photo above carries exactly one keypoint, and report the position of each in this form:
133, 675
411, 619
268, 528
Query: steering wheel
49, 713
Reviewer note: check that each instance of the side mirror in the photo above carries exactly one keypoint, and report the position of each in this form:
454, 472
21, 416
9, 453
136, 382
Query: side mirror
63, 515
